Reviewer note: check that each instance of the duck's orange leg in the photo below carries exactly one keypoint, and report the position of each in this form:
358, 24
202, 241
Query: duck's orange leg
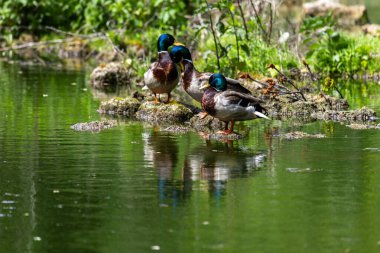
227, 131
156, 100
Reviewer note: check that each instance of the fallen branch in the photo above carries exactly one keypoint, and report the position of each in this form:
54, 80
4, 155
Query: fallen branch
287, 79
93, 36
49, 42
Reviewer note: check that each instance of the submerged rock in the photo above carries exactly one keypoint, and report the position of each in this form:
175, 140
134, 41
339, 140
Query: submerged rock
363, 126
120, 106
221, 137
110, 76
317, 107
300, 135
363, 114
94, 126
165, 113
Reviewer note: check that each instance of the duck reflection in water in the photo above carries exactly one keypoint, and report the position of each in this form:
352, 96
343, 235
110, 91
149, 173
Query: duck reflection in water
217, 162
202, 167
161, 149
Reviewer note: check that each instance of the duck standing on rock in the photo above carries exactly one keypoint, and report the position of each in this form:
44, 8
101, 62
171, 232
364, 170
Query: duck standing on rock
229, 105
163, 75
192, 79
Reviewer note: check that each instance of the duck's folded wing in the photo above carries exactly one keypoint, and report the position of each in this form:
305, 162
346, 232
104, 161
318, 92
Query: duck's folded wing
242, 99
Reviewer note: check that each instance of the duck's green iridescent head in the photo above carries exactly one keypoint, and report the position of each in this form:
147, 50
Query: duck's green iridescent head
178, 53
164, 42
218, 81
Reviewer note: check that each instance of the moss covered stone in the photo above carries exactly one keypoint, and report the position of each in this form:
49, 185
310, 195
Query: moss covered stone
94, 126
120, 106
109, 76
165, 113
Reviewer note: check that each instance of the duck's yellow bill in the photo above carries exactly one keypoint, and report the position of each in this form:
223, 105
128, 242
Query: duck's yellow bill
176, 43
204, 86
182, 67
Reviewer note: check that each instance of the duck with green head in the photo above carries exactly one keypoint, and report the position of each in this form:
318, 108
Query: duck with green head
163, 75
229, 105
192, 79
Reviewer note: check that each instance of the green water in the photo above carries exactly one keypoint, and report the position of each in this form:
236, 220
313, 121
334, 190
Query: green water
133, 188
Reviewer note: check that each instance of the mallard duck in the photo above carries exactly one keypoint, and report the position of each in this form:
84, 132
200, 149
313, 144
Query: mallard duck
229, 105
163, 75
192, 79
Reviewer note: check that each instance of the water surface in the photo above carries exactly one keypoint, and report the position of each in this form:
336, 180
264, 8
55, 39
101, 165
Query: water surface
134, 188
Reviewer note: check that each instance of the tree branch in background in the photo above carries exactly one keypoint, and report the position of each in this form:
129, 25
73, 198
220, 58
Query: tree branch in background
258, 20
243, 18
270, 22
235, 31
213, 34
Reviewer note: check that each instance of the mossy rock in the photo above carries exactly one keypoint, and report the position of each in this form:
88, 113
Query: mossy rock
94, 126
120, 106
207, 124
165, 113
361, 115
109, 76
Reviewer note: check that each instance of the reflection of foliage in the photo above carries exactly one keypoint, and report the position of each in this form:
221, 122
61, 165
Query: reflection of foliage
328, 128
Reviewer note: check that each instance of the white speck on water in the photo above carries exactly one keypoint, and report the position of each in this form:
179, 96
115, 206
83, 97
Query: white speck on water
164, 205
55, 191
60, 206
372, 149
301, 170
7, 201
206, 223
45, 95
155, 247
2, 215
37, 238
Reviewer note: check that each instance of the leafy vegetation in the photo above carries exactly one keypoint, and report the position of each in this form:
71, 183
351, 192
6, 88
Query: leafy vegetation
226, 36
335, 53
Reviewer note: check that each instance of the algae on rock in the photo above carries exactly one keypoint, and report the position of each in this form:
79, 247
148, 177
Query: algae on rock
165, 113
120, 106
109, 77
